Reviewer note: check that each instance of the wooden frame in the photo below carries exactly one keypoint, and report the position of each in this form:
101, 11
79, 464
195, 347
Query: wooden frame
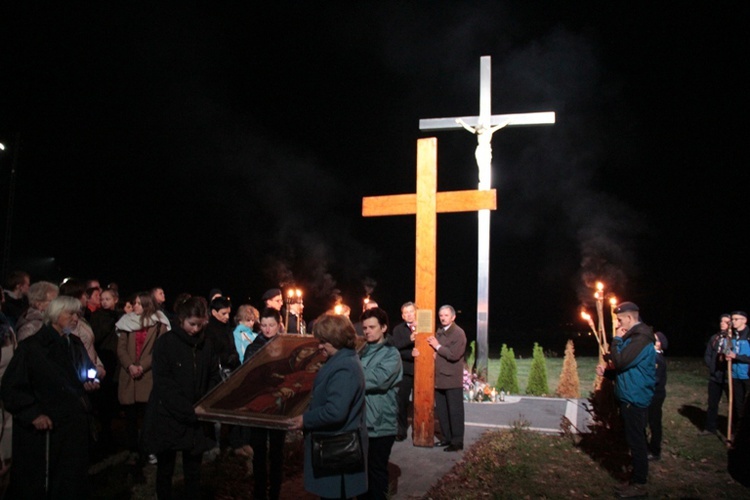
270, 388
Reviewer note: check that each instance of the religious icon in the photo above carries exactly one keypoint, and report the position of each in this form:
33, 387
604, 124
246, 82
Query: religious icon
270, 388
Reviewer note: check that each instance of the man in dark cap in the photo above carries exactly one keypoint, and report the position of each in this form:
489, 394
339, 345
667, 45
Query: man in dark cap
740, 356
714, 358
632, 357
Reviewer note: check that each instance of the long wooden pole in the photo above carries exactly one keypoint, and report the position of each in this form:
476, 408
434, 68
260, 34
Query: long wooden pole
731, 402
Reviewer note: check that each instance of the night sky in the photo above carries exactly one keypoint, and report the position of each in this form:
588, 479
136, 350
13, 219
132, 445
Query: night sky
212, 144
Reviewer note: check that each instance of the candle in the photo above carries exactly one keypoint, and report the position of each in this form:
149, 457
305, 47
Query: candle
494, 395
289, 295
612, 306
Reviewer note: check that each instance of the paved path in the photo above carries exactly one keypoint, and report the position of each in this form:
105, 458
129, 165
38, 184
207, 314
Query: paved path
419, 468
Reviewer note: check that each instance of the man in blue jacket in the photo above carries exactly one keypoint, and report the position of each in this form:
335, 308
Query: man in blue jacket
633, 358
740, 356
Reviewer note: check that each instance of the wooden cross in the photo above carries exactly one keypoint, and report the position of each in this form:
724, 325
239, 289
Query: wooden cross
426, 204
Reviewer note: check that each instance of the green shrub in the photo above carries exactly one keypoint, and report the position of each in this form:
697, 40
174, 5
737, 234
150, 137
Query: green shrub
537, 385
507, 380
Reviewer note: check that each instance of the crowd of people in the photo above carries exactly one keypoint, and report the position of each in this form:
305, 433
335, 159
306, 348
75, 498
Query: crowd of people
77, 352
76, 356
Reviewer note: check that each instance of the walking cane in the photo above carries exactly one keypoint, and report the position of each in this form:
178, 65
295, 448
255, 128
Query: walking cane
731, 403
46, 466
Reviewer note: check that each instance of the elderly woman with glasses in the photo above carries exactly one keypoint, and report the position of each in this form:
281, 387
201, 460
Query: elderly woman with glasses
337, 405
45, 389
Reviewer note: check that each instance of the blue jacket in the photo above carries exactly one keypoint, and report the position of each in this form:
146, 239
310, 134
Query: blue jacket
337, 405
383, 372
741, 348
634, 358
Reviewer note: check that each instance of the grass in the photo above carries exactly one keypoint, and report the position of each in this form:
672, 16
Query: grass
518, 463
522, 464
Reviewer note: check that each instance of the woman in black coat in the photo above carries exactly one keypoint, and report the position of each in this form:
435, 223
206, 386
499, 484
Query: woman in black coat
45, 389
185, 367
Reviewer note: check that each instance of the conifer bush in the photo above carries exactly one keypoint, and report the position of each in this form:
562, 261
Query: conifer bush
569, 385
507, 380
537, 385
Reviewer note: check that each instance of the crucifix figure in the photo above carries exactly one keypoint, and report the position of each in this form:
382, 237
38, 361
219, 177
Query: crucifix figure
426, 204
483, 126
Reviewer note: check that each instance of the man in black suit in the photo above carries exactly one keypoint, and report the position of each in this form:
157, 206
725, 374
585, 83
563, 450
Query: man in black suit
403, 340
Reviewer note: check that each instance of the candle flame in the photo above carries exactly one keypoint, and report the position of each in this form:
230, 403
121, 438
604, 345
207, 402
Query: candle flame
613, 301
585, 315
338, 309
298, 292
290, 293
599, 286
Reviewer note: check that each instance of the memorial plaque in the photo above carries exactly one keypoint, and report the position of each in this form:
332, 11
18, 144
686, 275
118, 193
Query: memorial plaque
270, 388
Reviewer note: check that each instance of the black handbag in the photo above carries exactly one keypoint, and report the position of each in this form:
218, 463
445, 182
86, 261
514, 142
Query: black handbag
335, 454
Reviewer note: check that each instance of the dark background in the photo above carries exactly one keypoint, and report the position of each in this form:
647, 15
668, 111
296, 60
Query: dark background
214, 144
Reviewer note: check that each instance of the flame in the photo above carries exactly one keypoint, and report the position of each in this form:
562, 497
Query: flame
585, 315
338, 309
290, 293
599, 286
298, 292
613, 301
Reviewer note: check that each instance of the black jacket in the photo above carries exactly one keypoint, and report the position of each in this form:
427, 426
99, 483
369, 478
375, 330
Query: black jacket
185, 368
401, 340
220, 335
45, 377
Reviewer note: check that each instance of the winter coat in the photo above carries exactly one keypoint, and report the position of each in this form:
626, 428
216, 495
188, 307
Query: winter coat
28, 324
717, 368
130, 390
634, 358
220, 335
243, 337
184, 368
337, 405
45, 377
382, 366
741, 347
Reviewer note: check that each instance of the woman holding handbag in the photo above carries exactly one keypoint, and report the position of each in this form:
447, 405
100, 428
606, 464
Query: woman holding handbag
337, 408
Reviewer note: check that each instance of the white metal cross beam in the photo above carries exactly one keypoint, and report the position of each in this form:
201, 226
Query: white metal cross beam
483, 126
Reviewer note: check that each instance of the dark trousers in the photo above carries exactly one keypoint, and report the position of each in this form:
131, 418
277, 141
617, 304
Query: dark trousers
405, 388
378, 453
741, 389
714, 397
449, 406
191, 467
634, 422
267, 443
133, 417
654, 422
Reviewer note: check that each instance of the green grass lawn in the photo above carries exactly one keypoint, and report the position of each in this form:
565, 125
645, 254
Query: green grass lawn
518, 463
523, 464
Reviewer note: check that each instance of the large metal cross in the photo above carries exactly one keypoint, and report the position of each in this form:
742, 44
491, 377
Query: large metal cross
426, 204
483, 126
